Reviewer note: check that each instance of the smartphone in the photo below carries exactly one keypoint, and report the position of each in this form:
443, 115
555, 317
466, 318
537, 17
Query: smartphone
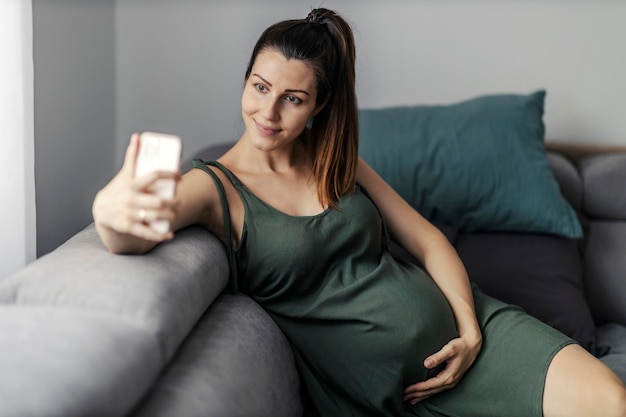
159, 152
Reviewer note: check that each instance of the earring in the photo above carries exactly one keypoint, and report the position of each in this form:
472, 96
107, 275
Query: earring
309, 123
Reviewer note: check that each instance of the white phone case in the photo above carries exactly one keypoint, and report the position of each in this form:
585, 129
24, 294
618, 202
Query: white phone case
159, 152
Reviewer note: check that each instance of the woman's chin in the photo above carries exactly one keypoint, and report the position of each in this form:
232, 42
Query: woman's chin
264, 144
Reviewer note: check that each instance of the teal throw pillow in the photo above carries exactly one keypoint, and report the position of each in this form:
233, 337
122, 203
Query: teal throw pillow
478, 165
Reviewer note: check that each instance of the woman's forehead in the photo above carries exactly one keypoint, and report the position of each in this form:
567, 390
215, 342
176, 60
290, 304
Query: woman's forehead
275, 68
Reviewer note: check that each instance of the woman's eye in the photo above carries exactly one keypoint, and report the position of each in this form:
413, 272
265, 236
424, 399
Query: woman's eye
261, 88
293, 99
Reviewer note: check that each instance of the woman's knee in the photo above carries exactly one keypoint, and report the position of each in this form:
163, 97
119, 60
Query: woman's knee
620, 402
578, 384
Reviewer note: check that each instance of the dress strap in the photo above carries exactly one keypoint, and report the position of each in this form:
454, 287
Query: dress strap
228, 230
232, 177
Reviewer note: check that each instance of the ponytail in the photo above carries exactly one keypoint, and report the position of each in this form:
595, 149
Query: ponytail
324, 40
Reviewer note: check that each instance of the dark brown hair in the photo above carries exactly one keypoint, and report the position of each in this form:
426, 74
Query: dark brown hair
324, 40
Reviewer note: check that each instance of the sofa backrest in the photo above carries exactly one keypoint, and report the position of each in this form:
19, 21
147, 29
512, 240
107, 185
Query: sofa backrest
603, 180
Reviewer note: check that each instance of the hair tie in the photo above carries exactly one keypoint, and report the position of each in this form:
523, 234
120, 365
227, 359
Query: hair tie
316, 16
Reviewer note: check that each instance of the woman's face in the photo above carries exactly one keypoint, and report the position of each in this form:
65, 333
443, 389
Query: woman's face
278, 98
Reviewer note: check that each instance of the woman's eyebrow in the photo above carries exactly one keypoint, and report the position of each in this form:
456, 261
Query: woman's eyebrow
287, 91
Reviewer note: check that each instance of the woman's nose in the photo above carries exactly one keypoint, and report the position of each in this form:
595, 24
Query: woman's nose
270, 109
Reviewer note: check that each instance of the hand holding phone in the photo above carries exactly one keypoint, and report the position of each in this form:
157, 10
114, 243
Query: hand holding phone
159, 152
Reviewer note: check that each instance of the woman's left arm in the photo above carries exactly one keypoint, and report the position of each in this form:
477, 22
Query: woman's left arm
424, 241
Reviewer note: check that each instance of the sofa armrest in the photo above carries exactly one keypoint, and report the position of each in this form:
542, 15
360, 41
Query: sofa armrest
87, 332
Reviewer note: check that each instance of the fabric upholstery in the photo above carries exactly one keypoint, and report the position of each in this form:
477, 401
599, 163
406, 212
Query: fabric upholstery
605, 266
614, 335
568, 179
148, 289
542, 274
84, 327
73, 362
604, 180
235, 351
479, 165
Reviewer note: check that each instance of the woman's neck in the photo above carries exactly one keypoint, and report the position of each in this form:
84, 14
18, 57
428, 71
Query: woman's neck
292, 156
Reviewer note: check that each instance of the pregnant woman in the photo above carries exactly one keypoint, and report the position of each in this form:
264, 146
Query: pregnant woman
307, 224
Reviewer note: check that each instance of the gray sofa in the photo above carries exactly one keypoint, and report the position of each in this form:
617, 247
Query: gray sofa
87, 333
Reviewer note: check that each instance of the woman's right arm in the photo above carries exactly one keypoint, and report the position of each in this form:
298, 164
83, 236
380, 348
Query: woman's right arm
123, 208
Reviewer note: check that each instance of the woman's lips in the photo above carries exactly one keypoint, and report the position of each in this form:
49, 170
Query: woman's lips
266, 131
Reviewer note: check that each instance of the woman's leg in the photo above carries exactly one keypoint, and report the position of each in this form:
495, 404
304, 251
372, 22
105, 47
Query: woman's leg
578, 384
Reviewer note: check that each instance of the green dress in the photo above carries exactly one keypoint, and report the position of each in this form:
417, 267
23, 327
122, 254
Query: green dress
361, 322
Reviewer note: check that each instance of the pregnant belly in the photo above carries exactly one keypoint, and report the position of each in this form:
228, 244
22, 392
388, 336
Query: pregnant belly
378, 329
415, 321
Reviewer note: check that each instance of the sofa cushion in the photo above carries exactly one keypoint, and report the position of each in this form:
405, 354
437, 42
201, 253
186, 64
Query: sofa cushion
614, 336
568, 179
540, 273
604, 179
165, 290
605, 269
73, 362
235, 363
476, 165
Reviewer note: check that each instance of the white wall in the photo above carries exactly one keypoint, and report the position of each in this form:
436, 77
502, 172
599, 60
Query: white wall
180, 64
17, 210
